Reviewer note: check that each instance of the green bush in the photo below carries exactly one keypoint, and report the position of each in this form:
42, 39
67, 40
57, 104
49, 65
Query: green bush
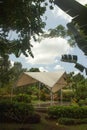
67, 111
17, 112
82, 102
67, 95
43, 96
23, 98
34, 97
5, 97
85, 101
66, 121
72, 121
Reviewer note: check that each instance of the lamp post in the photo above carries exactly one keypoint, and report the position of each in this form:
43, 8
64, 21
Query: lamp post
73, 59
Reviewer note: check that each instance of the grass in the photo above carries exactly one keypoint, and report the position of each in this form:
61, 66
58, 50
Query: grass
45, 124
77, 127
42, 126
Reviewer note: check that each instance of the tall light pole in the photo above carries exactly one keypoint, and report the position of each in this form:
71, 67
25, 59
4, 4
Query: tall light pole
73, 59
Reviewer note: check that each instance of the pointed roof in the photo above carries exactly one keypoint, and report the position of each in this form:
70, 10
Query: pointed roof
53, 80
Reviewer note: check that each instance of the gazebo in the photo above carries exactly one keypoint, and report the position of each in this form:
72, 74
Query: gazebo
54, 81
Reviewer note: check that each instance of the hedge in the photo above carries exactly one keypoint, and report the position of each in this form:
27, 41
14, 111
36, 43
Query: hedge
72, 121
67, 112
22, 98
17, 112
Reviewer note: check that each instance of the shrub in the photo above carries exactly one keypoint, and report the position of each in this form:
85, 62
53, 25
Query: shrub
17, 112
43, 96
23, 98
67, 111
85, 101
72, 121
82, 102
5, 97
67, 95
66, 121
34, 97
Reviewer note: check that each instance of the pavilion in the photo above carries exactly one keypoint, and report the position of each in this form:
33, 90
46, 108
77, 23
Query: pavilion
54, 81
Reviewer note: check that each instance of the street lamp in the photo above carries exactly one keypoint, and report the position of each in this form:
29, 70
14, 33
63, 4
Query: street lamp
73, 59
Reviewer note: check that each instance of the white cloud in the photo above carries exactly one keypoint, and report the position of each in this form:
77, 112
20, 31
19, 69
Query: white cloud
12, 63
82, 1
42, 69
60, 13
46, 51
76, 72
58, 67
56, 61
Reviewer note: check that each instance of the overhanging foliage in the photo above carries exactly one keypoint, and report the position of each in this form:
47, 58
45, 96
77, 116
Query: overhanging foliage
23, 17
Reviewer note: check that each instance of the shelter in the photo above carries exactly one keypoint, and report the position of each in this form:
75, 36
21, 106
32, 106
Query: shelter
54, 81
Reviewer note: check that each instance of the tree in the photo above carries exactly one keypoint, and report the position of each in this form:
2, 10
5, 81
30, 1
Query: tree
81, 90
9, 74
61, 31
34, 70
23, 17
4, 70
17, 70
78, 84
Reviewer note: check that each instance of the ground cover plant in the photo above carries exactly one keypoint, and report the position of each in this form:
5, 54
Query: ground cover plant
68, 115
44, 124
17, 112
68, 111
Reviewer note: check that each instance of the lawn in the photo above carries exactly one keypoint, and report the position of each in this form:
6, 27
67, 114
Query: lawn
45, 124
53, 125
42, 126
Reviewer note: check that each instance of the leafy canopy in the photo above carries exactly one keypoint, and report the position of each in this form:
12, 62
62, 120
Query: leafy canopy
23, 17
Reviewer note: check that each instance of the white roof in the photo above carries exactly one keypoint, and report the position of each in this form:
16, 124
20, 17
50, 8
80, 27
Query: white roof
53, 80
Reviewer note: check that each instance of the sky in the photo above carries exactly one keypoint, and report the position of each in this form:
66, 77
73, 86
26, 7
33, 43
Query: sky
47, 53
